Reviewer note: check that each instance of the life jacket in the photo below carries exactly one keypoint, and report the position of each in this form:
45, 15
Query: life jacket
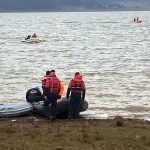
61, 89
43, 79
77, 84
53, 84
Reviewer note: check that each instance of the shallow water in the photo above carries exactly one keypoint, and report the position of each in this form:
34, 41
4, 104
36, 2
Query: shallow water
112, 54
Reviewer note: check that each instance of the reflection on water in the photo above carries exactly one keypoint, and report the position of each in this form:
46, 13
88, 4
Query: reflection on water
112, 54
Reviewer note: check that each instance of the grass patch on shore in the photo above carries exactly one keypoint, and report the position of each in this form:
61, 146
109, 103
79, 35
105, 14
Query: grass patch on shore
39, 134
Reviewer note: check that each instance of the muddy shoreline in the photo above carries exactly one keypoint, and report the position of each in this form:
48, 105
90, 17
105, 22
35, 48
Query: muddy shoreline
34, 132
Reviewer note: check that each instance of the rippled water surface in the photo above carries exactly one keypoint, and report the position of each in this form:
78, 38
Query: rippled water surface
112, 54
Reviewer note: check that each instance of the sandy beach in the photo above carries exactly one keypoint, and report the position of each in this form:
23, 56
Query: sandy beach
36, 133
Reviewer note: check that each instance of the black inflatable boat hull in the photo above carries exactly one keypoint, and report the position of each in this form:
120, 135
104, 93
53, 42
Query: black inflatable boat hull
62, 108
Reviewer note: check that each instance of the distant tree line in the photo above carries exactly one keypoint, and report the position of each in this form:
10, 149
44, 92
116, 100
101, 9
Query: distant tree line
73, 5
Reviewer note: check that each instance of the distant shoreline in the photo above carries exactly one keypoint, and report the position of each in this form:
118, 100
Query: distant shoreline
72, 11
73, 5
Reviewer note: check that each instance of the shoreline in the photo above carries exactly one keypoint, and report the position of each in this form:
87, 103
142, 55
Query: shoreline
74, 11
34, 132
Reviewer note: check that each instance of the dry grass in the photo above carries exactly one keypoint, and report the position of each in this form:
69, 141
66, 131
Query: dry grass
32, 134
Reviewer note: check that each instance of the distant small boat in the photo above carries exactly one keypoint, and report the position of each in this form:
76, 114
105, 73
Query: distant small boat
136, 20
32, 40
15, 109
139, 21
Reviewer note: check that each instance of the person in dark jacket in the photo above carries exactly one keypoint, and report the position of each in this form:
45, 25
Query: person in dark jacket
50, 92
76, 91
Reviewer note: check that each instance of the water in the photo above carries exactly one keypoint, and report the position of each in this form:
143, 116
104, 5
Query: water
112, 54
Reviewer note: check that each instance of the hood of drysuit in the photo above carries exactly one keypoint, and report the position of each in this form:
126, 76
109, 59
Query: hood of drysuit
45, 77
78, 78
52, 74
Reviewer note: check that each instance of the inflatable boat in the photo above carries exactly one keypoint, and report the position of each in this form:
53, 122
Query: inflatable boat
15, 109
61, 110
139, 21
35, 97
32, 40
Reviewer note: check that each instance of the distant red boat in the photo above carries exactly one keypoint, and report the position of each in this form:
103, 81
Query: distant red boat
136, 20
139, 21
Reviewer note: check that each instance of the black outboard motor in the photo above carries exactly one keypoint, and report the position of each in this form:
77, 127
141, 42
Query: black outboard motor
34, 95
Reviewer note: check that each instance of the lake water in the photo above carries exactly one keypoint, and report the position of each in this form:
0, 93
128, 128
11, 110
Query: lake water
112, 54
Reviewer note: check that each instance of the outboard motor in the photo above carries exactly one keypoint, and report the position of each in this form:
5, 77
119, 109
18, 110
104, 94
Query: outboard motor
34, 94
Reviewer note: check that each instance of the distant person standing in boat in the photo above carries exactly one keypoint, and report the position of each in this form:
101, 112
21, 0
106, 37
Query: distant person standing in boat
51, 90
134, 19
34, 35
76, 91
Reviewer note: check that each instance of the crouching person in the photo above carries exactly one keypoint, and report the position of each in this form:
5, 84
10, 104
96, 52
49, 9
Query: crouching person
76, 91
